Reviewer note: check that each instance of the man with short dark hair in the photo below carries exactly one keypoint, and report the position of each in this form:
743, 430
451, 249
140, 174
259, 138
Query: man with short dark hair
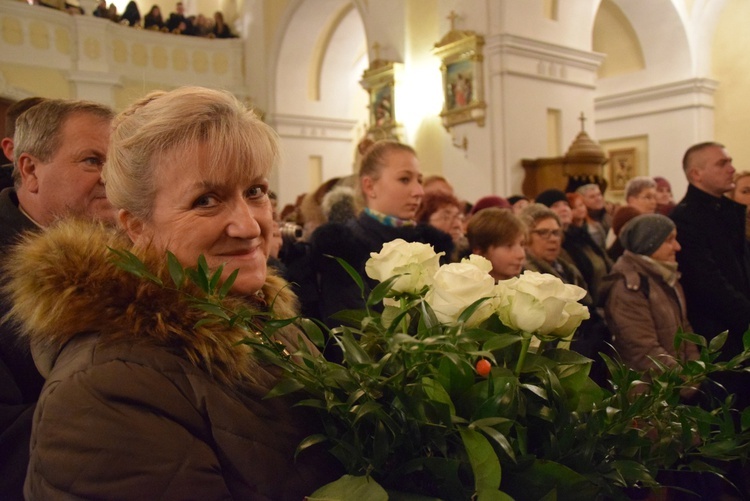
178, 22
714, 260
59, 149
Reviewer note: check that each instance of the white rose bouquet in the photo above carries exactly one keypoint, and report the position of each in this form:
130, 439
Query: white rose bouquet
441, 396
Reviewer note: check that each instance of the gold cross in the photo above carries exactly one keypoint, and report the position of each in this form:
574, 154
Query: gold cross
582, 118
376, 48
452, 17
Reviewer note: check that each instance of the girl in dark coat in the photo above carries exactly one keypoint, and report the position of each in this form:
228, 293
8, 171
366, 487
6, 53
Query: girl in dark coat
391, 184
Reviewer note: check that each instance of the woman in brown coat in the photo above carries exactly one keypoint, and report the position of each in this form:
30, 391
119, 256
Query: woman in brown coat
142, 401
645, 303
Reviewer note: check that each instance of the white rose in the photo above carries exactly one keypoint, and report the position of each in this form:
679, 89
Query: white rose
540, 304
457, 285
416, 262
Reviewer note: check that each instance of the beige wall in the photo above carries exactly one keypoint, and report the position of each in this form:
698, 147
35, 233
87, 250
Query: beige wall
731, 67
37, 81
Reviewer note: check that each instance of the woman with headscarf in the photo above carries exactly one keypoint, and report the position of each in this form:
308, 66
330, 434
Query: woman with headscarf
147, 396
645, 304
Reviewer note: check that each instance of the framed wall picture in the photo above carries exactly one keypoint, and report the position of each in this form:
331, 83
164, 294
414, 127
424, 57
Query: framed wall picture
463, 83
628, 158
623, 167
379, 80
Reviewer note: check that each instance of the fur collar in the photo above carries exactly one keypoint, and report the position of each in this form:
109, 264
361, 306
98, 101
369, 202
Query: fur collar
62, 282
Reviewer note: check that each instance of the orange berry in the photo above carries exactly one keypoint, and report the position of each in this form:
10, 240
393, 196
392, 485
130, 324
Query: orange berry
484, 367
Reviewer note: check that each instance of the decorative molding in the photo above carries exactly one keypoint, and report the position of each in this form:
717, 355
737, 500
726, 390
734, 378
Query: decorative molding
693, 93
692, 86
527, 58
305, 127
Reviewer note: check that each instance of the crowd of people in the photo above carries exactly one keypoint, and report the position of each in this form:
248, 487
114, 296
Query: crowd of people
177, 22
112, 383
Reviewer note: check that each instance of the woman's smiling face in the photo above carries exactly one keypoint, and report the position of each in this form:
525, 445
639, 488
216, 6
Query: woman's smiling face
229, 222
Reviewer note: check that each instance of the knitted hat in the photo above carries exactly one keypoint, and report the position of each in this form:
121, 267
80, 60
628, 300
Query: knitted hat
662, 183
551, 197
623, 214
644, 234
490, 201
516, 198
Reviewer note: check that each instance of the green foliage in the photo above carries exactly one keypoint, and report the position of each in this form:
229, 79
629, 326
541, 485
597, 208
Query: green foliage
407, 412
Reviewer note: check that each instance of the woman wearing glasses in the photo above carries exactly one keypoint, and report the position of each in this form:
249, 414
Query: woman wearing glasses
544, 245
444, 212
543, 248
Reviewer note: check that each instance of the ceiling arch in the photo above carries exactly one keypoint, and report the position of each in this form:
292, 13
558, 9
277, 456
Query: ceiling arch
320, 56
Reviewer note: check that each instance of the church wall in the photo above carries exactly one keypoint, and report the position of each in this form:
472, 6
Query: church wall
731, 68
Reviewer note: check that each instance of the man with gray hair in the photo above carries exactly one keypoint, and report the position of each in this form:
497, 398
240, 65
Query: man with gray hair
13, 112
601, 220
714, 261
59, 149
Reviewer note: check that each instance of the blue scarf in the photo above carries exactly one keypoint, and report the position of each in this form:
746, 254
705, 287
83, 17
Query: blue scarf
387, 220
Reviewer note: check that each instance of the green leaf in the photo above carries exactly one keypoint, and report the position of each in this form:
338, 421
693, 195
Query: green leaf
214, 281
353, 352
285, 387
228, 283
500, 341
350, 487
176, 271
313, 332
435, 391
381, 290
484, 462
129, 262
717, 342
469, 311
309, 441
352, 273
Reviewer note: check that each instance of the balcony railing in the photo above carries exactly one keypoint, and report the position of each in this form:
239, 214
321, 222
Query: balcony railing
99, 56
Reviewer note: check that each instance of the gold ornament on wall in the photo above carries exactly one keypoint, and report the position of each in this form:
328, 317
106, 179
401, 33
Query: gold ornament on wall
380, 80
463, 76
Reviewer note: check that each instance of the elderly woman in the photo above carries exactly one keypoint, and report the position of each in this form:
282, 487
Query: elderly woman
391, 185
543, 249
499, 236
143, 400
444, 212
579, 248
645, 304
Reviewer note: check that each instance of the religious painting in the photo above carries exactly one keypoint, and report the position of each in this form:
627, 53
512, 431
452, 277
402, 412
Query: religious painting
459, 84
622, 167
462, 62
627, 158
379, 80
381, 107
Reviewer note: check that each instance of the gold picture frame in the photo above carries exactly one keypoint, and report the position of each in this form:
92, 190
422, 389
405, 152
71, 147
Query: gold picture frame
379, 80
463, 78
623, 166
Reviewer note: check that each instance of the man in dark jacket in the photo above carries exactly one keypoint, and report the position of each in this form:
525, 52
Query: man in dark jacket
714, 260
59, 148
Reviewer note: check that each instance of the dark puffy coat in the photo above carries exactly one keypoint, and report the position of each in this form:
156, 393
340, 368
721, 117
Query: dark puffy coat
20, 381
353, 242
139, 402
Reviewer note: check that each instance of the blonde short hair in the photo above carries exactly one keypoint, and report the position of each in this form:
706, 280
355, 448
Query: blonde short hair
174, 124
